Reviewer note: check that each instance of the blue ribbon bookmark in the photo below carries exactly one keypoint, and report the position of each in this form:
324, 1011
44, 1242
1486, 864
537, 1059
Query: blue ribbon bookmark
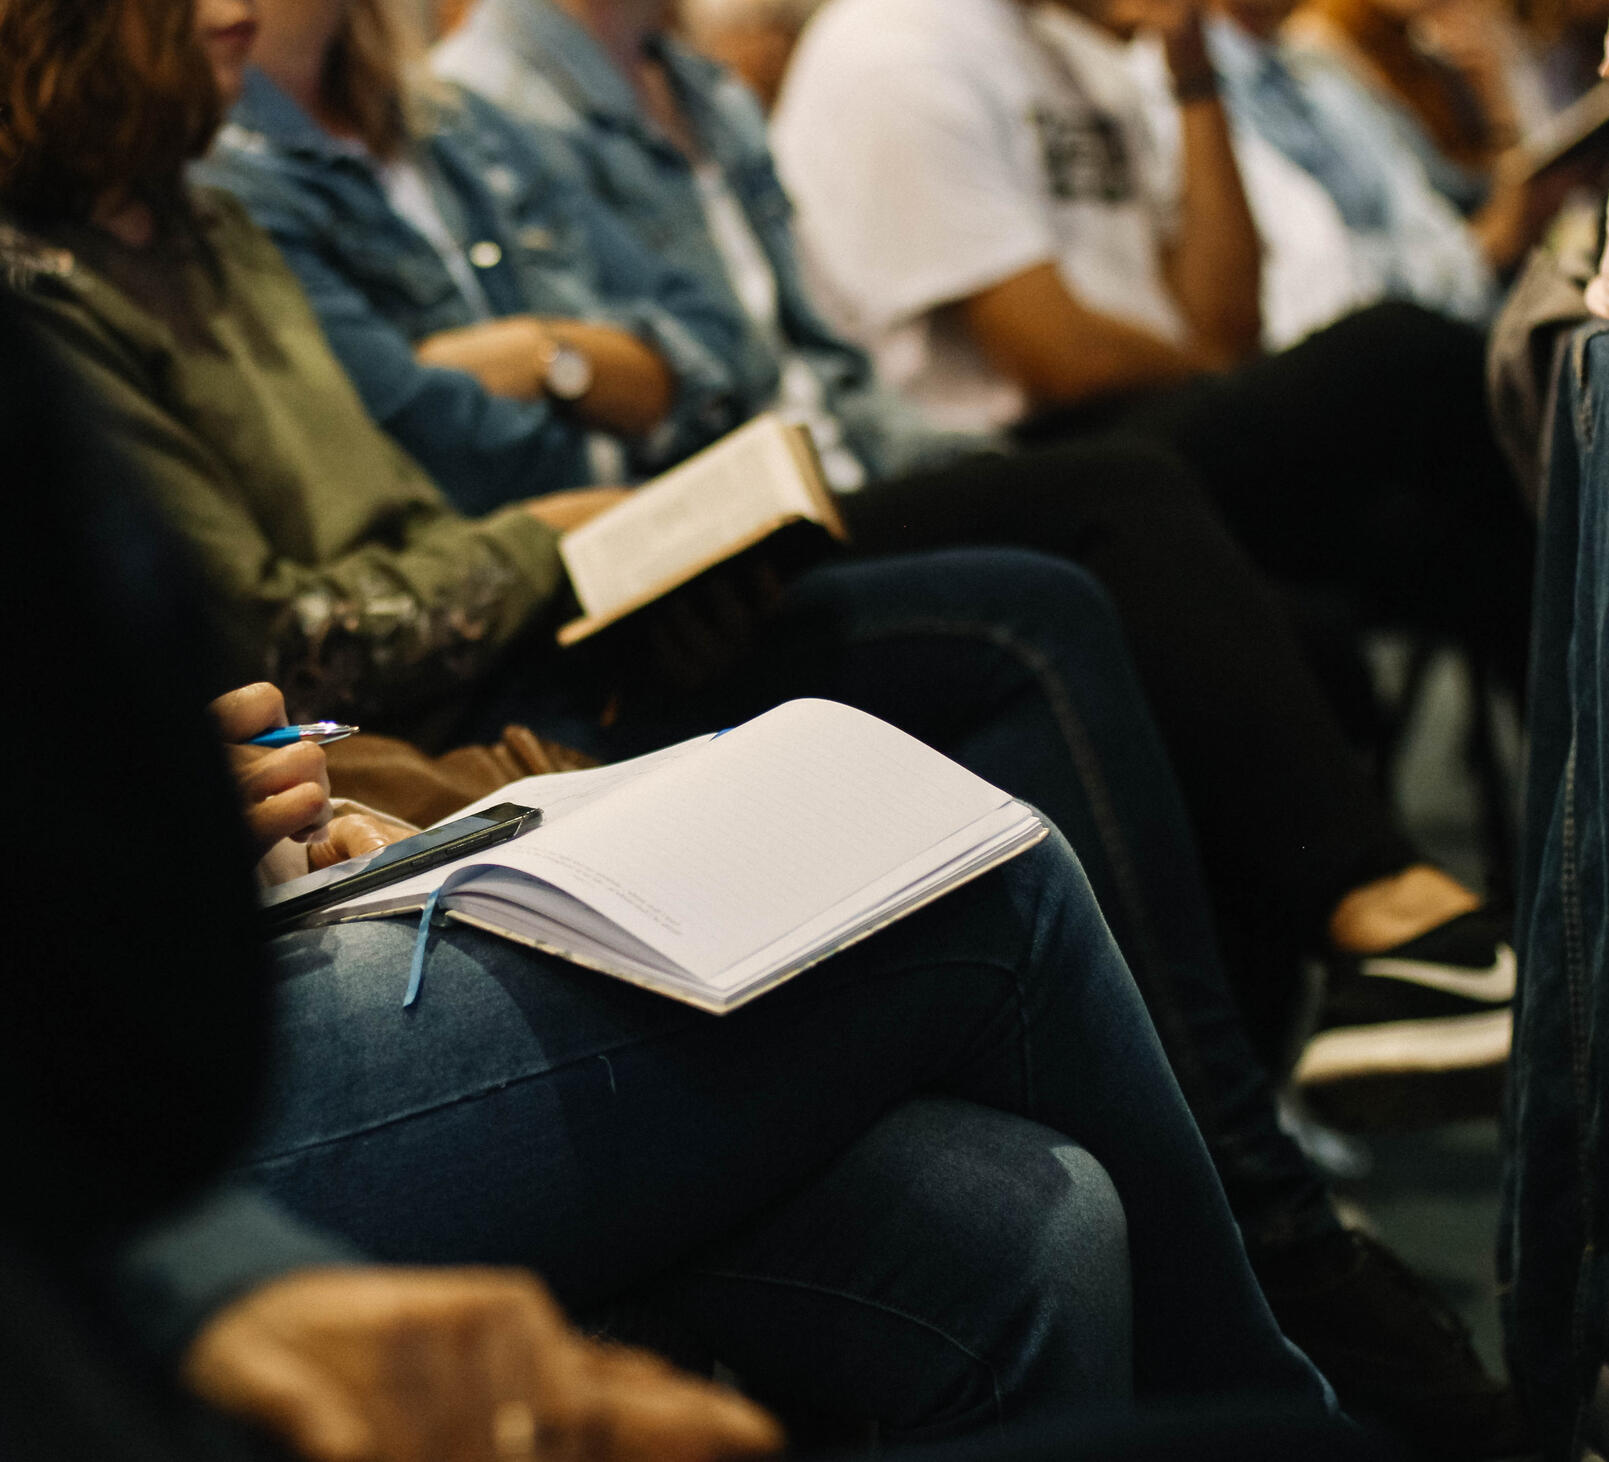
430, 918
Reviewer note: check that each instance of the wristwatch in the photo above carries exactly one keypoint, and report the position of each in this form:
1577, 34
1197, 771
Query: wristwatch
567, 373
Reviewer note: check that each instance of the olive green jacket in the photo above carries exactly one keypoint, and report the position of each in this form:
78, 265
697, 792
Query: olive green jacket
344, 575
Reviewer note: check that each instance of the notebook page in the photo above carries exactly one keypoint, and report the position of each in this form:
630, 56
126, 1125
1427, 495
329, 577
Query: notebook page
946, 865
558, 794
719, 854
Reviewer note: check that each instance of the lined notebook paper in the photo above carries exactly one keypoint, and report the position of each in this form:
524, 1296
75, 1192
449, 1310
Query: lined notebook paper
713, 870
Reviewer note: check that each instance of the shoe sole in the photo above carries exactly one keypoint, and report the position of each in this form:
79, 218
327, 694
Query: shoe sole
1453, 1043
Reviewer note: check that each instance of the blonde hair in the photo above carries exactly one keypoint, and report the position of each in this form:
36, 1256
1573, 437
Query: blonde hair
376, 78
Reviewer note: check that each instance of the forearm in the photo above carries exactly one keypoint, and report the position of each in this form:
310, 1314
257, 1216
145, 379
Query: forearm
505, 356
1033, 331
384, 630
1112, 357
169, 1279
1500, 230
1519, 208
632, 387
1215, 269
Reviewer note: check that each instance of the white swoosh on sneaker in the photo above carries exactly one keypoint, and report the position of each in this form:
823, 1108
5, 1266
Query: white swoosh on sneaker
1493, 985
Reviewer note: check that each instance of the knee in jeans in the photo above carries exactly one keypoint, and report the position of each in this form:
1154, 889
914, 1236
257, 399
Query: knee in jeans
1034, 1226
1038, 579
1075, 1239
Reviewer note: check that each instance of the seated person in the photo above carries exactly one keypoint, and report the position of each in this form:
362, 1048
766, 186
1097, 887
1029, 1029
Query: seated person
1556, 1291
977, 183
605, 361
1292, 831
679, 153
1444, 69
345, 572
988, 1261
1345, 211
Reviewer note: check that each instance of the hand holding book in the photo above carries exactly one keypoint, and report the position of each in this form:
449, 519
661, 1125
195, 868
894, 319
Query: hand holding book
748, 488
563, 511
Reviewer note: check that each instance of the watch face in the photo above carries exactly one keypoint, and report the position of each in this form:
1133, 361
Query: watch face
569, 374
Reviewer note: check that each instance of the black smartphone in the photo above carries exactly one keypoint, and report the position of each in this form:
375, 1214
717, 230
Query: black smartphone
287, 902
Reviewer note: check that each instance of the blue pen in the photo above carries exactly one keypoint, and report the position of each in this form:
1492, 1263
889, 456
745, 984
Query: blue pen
315, 731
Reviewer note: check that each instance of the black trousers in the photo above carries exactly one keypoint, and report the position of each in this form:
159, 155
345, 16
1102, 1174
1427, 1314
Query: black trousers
1359, 462
1362, 459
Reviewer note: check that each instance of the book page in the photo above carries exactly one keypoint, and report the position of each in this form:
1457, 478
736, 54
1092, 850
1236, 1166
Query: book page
558, 794
725, 851
1004, 832
690, 516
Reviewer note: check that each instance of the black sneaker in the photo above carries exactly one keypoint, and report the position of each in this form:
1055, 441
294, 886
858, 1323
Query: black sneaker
1396, 1353
1415, 1034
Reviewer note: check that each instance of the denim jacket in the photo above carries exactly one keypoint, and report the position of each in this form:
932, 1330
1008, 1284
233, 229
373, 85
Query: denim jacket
539, 245
534, 60
1554, 1252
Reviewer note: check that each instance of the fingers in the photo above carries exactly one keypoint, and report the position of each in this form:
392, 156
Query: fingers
566, 510
513, 1342
249, 711
627, 1406
466, 1371
239, 1366
353, 835
286, 793
387, 1365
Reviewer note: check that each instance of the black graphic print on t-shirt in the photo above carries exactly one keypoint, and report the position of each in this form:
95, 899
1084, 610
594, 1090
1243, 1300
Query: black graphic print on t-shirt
1087, 158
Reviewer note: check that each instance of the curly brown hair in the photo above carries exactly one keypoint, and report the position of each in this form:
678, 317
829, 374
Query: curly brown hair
100, 99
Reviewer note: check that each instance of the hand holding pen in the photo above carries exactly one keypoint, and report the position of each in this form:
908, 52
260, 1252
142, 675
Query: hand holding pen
282, 780
283, 783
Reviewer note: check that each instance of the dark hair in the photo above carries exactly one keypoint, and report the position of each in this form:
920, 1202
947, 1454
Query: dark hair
100, 98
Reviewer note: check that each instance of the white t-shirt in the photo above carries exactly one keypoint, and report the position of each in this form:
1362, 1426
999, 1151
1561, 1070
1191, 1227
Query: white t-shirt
937, 147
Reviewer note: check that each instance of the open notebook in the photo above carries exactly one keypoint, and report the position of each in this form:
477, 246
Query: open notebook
716, 869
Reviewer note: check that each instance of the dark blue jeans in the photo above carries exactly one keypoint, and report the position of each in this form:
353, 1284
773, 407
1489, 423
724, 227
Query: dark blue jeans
1014, 664
936, 1267
1554, 1252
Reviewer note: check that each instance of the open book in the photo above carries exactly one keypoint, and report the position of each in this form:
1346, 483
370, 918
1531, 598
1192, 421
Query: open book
727, 498
716, 869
